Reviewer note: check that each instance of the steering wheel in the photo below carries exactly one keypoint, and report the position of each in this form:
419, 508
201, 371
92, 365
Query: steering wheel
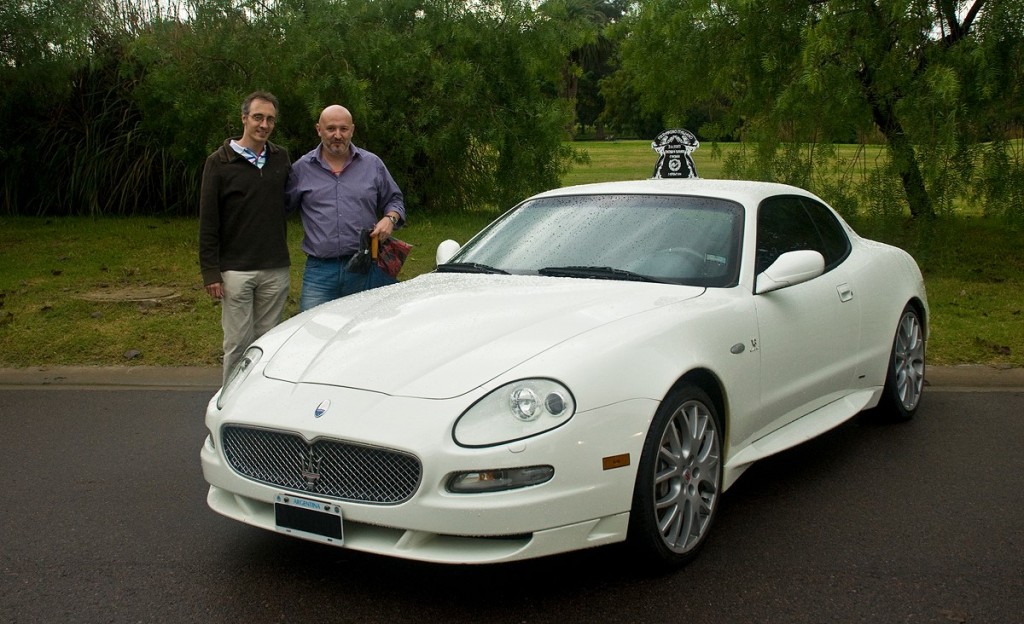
674, 262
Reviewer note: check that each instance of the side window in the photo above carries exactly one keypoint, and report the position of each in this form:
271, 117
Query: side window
835, 242
788, 223
783, 225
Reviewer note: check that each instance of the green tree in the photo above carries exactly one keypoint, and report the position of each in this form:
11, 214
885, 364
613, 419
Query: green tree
921, 74
69, 125
108, 108
624, 111
43, 44
453, 96
584, 25
191, 76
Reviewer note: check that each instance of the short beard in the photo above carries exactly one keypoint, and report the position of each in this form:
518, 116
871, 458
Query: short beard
339, 149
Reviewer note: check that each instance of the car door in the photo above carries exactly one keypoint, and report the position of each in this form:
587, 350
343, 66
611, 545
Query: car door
808, 333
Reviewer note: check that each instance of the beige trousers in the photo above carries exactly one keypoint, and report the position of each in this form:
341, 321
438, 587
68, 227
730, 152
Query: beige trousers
253, 304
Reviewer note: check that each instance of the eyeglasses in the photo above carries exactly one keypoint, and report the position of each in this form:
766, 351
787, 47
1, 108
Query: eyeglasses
260, 118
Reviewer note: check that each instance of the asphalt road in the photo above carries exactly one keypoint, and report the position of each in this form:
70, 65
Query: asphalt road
104, 520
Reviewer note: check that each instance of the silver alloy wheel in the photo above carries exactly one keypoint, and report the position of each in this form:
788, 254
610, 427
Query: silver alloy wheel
687, 476
908, 360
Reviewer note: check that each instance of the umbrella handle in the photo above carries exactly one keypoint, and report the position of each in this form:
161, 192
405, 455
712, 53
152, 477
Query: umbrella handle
374, 245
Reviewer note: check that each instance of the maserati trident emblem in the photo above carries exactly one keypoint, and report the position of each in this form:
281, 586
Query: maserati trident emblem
311, 469
322, 408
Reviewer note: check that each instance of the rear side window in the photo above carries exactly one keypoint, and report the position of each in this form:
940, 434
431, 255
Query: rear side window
835, 242
790, 223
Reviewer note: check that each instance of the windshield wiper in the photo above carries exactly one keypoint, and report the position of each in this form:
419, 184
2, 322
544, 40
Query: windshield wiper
468, 267
597, 272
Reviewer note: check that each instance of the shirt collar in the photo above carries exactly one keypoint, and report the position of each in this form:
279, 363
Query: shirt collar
259, 159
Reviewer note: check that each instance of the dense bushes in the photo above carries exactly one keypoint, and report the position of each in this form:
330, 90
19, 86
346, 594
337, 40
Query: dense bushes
456, 100
110, 106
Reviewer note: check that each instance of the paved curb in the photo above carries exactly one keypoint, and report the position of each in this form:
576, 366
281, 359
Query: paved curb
964, 377
178, 377
974, 376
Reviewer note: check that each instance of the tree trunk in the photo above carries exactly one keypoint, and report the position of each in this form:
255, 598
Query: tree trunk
901, 150
905, 160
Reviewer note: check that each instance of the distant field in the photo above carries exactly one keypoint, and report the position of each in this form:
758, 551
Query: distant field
59, 278
631, 160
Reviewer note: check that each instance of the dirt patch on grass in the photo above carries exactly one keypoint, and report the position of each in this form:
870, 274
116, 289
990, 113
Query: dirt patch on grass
137, 293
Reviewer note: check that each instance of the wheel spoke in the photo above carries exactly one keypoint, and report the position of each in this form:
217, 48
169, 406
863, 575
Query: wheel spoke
669, 524
687, 525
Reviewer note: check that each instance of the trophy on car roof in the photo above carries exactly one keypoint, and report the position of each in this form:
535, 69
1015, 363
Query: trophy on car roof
674, 148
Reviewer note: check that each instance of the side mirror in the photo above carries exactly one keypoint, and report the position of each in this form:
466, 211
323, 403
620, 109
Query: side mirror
789, 269
446, 250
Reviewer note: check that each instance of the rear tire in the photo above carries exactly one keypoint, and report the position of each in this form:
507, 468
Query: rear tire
679, 479
904, 381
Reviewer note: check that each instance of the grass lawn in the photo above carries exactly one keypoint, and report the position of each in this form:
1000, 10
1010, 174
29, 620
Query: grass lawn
66, 284
631, 160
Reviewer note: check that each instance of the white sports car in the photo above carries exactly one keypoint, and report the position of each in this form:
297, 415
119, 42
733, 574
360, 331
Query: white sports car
599, 364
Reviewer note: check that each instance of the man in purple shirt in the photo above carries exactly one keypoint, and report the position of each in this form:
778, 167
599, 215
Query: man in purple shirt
339, 191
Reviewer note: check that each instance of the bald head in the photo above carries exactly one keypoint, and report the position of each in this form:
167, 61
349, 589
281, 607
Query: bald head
335, 129
336, 113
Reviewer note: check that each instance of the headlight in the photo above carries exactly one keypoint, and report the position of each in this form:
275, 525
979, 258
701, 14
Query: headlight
239, 373
515, 411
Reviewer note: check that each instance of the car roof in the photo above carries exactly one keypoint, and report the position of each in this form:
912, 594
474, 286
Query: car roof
742, 191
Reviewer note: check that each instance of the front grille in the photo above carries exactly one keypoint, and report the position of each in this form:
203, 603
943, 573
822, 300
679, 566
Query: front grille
330, 468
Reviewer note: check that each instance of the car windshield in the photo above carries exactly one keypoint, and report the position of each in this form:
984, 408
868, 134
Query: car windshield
672, 239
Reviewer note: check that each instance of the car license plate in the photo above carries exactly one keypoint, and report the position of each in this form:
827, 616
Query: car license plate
310, 519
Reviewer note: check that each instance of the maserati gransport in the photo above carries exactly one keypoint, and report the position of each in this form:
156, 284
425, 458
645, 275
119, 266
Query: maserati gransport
598, 365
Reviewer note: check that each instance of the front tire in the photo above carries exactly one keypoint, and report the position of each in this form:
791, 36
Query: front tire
904, 381
679, 479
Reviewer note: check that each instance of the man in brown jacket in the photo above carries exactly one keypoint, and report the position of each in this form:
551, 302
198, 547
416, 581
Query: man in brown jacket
243, 249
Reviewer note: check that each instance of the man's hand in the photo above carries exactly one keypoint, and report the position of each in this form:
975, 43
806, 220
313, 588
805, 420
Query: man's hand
216, 289
383, 230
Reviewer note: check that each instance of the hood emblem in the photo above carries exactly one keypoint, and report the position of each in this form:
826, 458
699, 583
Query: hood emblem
311, 469
322, 408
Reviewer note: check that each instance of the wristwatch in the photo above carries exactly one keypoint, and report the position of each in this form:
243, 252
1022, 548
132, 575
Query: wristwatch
394, 219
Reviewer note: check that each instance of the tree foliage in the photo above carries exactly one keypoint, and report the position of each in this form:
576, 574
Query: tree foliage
586, 25
43, 44
111, 106
70, 127
454, 96
930, 78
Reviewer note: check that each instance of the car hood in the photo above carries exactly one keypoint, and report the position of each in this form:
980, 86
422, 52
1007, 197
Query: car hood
442, 335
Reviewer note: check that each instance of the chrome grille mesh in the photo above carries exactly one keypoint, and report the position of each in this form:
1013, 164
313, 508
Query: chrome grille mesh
330, 468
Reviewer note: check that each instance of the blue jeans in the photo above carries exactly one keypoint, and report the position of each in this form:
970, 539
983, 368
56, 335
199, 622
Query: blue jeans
327, 280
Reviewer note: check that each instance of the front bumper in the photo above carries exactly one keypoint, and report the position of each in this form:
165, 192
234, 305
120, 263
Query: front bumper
585, 504
439, 547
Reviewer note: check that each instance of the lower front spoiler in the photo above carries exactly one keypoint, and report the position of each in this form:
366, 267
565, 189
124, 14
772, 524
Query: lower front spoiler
439, 548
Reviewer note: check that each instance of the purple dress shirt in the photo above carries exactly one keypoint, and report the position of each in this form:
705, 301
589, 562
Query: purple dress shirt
334, 208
